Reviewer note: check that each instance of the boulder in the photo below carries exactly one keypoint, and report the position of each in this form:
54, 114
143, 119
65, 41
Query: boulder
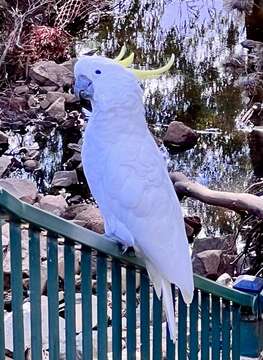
179, 137
213, 243
74, 161
194, 222
61, 265
48, 73
21, 90
50, 98
72, 211
31, 165
24, 255
92, 219
33, 102
3, 138
57, 109
206, 263
189, 232
27, 326
75, 147
22, 189
225, 279
64, 178
5, 161
56, 204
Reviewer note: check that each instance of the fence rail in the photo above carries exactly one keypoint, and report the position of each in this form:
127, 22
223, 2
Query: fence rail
120, 317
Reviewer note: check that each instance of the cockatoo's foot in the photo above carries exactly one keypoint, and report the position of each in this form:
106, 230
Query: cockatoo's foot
126, 250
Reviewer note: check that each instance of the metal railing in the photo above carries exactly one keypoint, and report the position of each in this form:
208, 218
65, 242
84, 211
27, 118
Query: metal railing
207, 329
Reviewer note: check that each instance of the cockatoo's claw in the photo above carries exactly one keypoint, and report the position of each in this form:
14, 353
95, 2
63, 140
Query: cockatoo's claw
126, 250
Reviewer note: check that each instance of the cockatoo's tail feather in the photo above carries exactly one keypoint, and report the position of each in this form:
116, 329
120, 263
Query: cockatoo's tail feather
128, 176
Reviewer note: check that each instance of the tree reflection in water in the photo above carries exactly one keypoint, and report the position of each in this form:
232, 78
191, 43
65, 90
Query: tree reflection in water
196, 91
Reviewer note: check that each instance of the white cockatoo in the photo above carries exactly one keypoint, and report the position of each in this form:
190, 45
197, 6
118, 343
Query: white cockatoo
128, 176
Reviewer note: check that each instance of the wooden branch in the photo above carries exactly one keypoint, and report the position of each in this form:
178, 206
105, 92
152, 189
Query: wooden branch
238, 202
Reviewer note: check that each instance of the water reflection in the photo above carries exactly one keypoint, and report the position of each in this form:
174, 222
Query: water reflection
49, 152
197, 90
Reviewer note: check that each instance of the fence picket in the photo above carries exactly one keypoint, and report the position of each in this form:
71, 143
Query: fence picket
157, 328
52, 292
86, 299
226, 335
35, 293
235, 332
182, 327
17, 290
102, 305
116, 310
145, 315
219, 306
2, 326
69, 293
205, 325
216, 323
194, 327
131, 313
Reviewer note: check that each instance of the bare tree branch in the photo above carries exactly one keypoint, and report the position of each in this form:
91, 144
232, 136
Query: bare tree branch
238, 202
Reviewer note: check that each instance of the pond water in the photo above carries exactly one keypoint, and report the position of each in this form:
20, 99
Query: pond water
198, 90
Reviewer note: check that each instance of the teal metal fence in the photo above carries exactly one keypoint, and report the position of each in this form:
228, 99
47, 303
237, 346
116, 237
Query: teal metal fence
207, 329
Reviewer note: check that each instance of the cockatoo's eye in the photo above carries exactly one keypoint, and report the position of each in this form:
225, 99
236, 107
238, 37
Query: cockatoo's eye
98, 72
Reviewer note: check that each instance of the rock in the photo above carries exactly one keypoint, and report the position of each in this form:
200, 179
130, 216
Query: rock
213, 243
48, 73
78, 307
61, 272
3, 4
24, 255
226, 264
57, 109
189, 232
69, 64
33, 102
22, 189
92, 218
18, 103
56, 204
225, 279
75, 147
5, 161
179, 136
195, 223
31, 165
70, 98
76, 200
21, 90
27, 326
64, 178
206, 263
3, 138
72, 211
46, 89
53, 96
74, 161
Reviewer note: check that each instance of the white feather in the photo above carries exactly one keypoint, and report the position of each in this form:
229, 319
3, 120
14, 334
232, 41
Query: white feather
129, 179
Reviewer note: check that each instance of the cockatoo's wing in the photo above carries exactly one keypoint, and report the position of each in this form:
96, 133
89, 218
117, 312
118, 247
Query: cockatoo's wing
142, 205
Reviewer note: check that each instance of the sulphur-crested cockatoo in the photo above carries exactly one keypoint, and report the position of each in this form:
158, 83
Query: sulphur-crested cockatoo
128, 177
